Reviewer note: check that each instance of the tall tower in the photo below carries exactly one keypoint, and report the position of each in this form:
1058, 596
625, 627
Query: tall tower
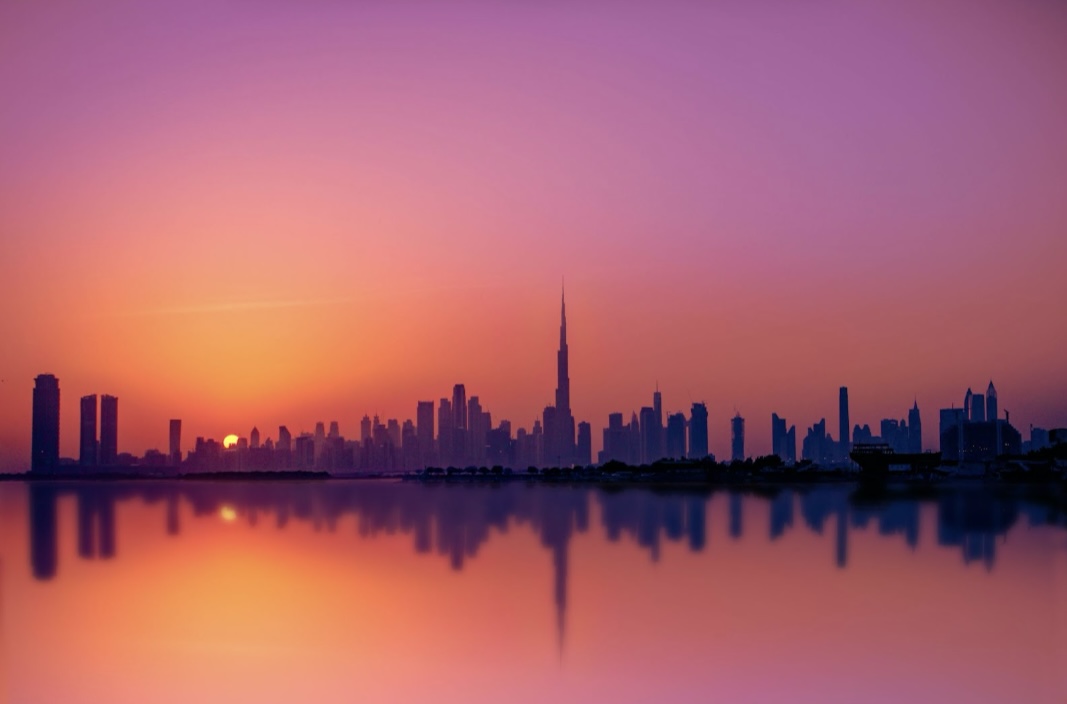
563, 420
843, 424
44, 453
109, 430
991, 410
698, 431
87, 454
737, 444
176, 441
967, 405
915, 430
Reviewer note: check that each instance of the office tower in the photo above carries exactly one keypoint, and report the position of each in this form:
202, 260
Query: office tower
87, 454
364, 429
816, 447
676, 435
737, 440
915, 430
950, 433
698, 431
477, 430
285, 439
584, 449
843, 423
783, 440
109, 430
978, 408
392, 428
459, 407
649, 435
967, 405
253, 438
424, 432
444, 431
44, 451
335, 430
657, 410
991, 411
176, 442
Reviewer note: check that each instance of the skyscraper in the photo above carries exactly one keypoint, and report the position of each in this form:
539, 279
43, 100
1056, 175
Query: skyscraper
444, 431
698, 431
584, 449
563, 419
737, 441
87, 446
991, 410
915, 430
676, 435
253, 438
44, 451
424, 432
967, 404
783, 440
176, 442
977, 408
109, 430
843, 424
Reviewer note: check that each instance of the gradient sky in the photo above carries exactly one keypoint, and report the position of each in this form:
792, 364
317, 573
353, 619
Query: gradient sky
261, 213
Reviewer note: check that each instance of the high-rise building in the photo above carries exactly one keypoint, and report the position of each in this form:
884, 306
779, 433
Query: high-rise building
950, 433
364, 429
698, 431
584, 449
650, 435
737, 440
977, 408
459, 407
967, 398
676, 435
991, 410
444, 432
478, 431
783, 440
285, 439
253, 438
176, 442
335, 430
563, 424
44, 451
424, 432
109, 430
88, 445
915, 430
843, 423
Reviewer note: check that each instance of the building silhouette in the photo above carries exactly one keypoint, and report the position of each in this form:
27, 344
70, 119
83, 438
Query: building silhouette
175, 442
424, 432
843, 423
737, 438
109, 430
676, 435
915, 430
698, 431
561, 428
783, 440
44, 450
991, 412
87, 455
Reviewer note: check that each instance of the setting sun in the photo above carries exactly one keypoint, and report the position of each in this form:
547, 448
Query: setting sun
228, 514
229, 441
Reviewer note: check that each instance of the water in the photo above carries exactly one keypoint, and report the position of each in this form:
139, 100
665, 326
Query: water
398, 592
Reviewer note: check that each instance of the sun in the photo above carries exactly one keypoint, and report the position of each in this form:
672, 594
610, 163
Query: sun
229, 441
228, 514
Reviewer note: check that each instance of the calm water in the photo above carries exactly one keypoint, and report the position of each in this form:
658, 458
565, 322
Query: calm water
395, 592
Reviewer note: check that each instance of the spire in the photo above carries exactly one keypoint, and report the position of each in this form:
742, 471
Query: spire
563, 317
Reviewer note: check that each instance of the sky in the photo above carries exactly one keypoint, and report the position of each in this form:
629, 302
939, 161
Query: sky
242, 214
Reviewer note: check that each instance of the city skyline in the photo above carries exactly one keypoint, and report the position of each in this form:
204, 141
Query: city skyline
465, 435
269, 216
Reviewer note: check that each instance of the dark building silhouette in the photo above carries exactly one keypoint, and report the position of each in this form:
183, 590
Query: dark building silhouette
783, 440
44, 450
584, 449
109, 430
87, 455
977, 408
650, 434
915, 430
562, 427
698, 431
444, 431
676, 436
424, 432
991, 410
176, 442
737, 438
843, 423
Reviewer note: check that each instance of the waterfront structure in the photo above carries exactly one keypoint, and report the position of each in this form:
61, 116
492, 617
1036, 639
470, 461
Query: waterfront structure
109, 430
44, 446
737, 438
698, 431
915, 430
176, 442
87, 446
843, 423
783, 440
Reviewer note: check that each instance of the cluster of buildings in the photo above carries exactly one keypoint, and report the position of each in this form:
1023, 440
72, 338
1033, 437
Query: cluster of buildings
457, 431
